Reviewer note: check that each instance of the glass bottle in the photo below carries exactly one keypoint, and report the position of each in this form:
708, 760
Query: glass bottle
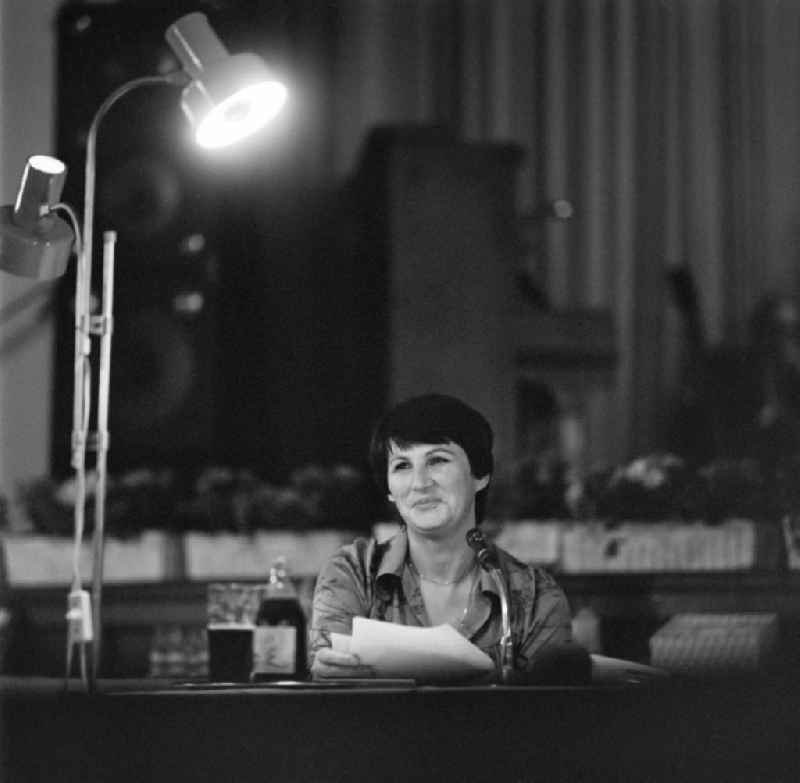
279, 637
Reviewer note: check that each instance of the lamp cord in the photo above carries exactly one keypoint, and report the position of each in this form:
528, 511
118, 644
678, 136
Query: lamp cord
73, 219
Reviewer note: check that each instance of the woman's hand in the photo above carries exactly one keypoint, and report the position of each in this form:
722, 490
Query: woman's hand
333, 664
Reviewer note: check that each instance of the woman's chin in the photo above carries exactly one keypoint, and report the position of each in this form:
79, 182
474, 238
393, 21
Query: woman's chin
427, 520
433, 525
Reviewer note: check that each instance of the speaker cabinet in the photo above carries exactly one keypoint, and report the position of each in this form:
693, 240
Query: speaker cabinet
232, 341
150, 189
441, 218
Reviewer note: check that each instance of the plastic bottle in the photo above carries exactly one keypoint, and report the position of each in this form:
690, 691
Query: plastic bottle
279, 637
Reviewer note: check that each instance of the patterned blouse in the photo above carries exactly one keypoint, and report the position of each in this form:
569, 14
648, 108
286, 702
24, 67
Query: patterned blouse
375, 580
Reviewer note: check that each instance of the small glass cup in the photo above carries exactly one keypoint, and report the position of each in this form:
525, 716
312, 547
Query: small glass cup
232, 608
230, 652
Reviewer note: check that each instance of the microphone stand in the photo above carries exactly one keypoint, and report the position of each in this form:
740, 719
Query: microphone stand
506, 643
488, 561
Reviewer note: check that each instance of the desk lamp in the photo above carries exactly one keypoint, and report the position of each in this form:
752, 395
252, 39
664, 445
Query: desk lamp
226, 98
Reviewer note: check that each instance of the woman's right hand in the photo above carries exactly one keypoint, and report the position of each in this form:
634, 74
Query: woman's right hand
330, 664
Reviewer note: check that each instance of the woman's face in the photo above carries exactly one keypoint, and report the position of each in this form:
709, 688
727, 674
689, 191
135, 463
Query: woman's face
432, 486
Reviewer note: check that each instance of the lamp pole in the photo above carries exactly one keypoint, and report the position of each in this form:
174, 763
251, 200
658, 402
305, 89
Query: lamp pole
87, 325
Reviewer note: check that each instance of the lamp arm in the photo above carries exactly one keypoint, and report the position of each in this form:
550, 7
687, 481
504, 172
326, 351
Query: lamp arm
175, 78
84, 275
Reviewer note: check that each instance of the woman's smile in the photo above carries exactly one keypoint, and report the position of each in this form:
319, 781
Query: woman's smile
426, 503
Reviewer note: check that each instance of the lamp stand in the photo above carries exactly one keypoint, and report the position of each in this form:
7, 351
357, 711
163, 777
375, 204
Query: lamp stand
86, 326
226, 97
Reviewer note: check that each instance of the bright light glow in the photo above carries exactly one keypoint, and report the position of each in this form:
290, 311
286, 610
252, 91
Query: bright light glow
47, 164
241, 114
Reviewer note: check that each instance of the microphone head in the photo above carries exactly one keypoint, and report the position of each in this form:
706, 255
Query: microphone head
475, 538
485, 555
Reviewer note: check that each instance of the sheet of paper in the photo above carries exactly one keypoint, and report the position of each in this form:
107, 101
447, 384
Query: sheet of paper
340, 642
617, 670
424, 654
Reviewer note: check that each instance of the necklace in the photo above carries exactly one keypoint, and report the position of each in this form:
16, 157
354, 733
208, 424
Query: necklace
460, 578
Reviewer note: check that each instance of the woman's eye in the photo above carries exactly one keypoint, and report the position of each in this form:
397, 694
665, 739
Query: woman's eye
399, 466
438, 459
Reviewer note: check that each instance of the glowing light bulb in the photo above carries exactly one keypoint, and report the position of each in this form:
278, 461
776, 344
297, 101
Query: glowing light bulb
240, 115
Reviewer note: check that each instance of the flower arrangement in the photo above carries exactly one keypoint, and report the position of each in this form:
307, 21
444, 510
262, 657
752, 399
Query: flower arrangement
665, 487
135, 501
217, 498
654, 487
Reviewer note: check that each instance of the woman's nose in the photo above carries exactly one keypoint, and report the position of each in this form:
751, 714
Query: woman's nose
420, 477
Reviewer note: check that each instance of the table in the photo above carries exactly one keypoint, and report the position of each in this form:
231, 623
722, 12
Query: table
148, 731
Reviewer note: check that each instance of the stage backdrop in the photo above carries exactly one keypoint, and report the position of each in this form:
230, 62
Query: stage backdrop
672, 127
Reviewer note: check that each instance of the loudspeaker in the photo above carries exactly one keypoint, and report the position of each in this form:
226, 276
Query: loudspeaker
231, 338
152, 189
440, 227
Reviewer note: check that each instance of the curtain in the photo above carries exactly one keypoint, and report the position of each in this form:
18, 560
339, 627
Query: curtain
671, 126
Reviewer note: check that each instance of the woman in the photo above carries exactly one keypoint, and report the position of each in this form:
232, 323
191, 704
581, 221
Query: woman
432, 455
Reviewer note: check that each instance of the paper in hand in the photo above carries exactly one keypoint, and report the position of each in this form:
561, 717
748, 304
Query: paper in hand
439, 653
340, 642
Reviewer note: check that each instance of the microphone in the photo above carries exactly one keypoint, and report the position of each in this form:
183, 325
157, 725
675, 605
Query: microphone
487, 558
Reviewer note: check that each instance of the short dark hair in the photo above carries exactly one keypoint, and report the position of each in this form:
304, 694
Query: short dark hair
434, 418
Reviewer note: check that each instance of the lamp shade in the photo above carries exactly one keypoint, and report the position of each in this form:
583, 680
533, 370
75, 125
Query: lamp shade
229, 96
34, 242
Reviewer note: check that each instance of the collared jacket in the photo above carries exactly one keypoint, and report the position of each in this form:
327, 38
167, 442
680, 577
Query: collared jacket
375, 580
